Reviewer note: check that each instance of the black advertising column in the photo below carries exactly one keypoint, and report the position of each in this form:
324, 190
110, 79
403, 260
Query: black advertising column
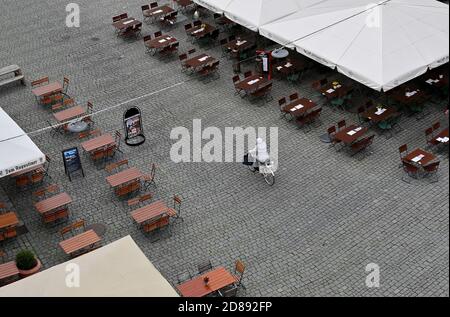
134, 132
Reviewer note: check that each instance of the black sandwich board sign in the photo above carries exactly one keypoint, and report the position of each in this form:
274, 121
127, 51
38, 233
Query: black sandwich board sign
134, 132
72, 161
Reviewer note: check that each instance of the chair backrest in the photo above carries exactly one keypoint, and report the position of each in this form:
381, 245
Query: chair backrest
410, 168
182, 57
68, 102
197, 23
331, 130
137, 26
116, 18
37, 177
282, 101
248, 74
341, 124
39, 81
124, 16
432, 167
157, 34
153, 5
145, 7
176, 203
192, 51
66, 80
204, 266
65, 231
217, 16
90, 106
187, 26
79, 224
110, 167
222, 42
436, 125
403, 149
293, 97
239, 267
236, 79
175, 45
145, 197
147, 38
316, 113
122, 163
118, 135
428, 132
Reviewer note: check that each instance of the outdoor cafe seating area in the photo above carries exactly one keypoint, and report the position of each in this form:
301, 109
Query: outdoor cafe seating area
302, 96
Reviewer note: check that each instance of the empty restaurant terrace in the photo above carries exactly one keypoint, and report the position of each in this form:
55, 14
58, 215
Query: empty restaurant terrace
329, 214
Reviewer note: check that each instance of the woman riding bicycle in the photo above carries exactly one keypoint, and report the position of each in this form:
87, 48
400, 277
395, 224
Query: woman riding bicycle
259, 154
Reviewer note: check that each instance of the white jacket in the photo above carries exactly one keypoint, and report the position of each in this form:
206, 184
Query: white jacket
260, 151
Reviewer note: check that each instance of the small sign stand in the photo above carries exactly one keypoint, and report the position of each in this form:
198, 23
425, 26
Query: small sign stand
72, 162
134, 132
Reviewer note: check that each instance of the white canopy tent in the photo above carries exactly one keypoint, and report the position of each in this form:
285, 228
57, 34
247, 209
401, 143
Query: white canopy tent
217, 6
17, 150
254, 13
119, 269
380, 45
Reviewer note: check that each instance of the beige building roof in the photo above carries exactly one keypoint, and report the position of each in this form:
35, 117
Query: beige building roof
117, 269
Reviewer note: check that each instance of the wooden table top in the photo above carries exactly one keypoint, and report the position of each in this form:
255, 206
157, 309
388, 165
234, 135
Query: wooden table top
199, 60
47, 90
427, 157
307, 104
399, 95
184, 3
347, 138
124, 177
290, 66
158, 11
98, 142
331, 91
125, 23
53, 203
79, 242
240, 44
195, 31
149, 212
372, 115
437, 79
69, 114
9, 219
246, 85
8, 269
218, 278
161, 41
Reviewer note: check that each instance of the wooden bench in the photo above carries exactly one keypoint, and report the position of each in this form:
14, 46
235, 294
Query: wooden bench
11, 70
8, 272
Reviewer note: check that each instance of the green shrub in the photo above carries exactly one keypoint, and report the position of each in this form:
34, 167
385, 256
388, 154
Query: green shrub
25, 260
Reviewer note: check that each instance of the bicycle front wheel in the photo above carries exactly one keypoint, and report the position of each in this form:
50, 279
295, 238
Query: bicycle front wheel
269, 178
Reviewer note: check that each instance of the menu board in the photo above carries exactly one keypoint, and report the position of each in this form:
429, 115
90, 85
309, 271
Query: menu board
72, 161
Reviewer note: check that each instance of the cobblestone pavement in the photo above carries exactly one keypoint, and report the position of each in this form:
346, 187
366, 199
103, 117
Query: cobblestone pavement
312, 234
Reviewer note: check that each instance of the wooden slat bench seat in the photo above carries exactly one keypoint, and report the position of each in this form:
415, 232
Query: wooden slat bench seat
8, 271
11, 73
